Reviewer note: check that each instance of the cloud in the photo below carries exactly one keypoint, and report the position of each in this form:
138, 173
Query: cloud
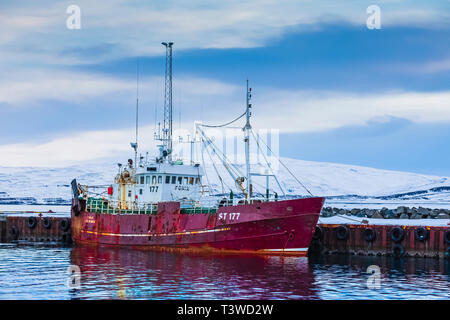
287, 111
137, 28
27, 88
68, 150
441, 65
321, 110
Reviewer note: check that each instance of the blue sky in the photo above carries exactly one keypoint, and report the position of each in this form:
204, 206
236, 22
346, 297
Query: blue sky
337, 91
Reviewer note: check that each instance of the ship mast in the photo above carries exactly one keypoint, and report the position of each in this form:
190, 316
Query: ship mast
134, 145
247, 129
167, 124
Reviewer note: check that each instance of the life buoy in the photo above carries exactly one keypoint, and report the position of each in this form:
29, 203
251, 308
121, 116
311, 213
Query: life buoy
397, 234
47, 223
421, 234
447, 236
342, 233
370, 235
318, 233
398, 250
64, 225
32, 222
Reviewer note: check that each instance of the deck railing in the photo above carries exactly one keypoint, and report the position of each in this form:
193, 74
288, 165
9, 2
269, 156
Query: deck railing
96, 202
186, 206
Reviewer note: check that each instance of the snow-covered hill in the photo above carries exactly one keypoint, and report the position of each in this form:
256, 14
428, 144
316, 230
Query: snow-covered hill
338, 182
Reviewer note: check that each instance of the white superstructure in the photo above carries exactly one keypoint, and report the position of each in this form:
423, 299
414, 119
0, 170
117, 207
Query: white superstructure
155, 182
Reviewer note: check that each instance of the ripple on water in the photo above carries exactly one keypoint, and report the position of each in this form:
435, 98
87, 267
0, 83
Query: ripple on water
40, 272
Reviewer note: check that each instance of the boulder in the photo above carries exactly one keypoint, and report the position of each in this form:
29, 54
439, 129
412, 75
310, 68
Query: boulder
361, 214
404, 216
391, 214
423, 211
370, 213
400, 210
377, 215
434, 213
443, 216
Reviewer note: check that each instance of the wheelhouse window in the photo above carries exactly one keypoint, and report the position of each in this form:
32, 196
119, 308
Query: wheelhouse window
142, 180
197, 180
174, 179
167, 179
186, 180
147, 180
180, 180
191, 180
153, 179
159, 179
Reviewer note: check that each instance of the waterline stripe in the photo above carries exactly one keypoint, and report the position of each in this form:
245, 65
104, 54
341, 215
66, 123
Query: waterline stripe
149, 234
288, 249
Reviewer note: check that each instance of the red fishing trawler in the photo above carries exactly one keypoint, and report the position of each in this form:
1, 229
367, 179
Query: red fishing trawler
157, 204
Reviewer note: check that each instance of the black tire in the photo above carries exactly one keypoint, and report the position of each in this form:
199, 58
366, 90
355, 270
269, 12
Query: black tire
398, 250
421, 234
64, 225
370, 235
47, 223
14, 233
447, 236
32, 222
318, 233
342, 233
397, 234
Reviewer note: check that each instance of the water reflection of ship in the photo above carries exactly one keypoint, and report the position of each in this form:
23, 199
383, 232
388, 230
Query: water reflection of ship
135, 274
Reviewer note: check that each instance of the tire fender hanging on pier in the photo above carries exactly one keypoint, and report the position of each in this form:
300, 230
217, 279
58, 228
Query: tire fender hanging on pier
47, 223
397, 234
342, 232
421, 234
370, 235
32, 222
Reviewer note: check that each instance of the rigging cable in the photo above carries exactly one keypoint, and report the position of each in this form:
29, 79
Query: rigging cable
268, 165
279, 160
214, 165
224, 125
206, 174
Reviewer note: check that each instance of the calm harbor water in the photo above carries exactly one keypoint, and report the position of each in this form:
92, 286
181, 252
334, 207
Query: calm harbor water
40, 271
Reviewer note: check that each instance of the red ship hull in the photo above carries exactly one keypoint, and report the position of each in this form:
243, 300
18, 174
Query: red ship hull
283, 227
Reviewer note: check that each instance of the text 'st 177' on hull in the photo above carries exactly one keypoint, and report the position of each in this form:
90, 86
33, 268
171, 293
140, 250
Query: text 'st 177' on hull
279, 227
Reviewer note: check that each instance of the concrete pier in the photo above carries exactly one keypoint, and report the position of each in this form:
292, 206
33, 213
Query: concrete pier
381, 240
35, 229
